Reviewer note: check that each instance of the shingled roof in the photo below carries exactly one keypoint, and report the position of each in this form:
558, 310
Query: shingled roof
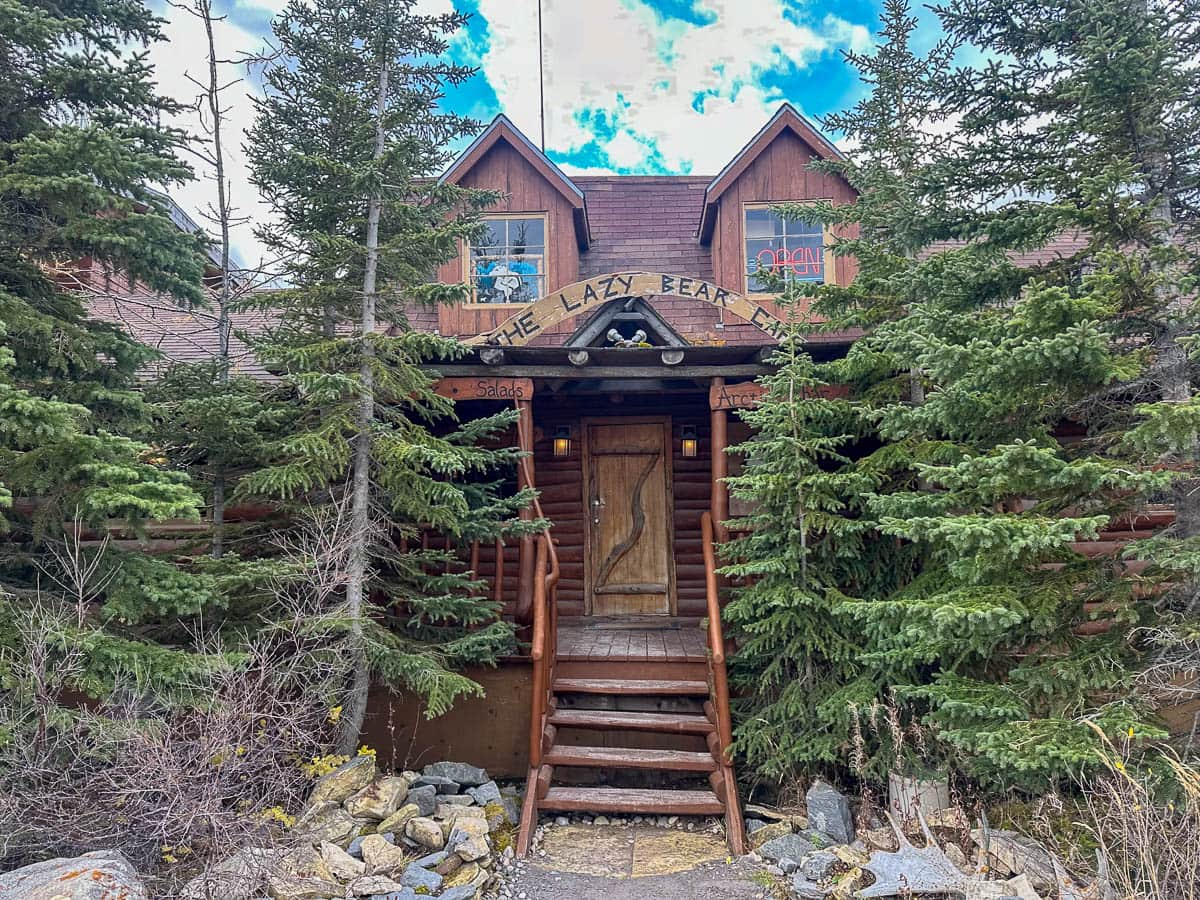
644, 223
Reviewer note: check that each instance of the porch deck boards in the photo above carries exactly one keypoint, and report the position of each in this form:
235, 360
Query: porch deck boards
630, 639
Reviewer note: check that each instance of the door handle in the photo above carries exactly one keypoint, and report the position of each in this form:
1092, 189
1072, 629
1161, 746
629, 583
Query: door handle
596, 504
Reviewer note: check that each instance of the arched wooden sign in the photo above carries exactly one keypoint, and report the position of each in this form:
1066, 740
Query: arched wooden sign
582, 296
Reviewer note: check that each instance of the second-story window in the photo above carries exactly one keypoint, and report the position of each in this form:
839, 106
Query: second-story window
508, 264
792, 248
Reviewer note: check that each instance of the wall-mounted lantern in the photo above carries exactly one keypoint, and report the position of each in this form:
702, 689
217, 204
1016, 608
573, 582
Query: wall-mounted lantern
562, 441
688, 442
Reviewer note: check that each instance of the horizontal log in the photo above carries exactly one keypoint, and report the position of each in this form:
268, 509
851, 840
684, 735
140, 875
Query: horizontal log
574, 372
685, 490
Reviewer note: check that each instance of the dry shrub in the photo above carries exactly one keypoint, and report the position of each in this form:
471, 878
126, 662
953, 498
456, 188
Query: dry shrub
174, 787
1140, 818
1147, 828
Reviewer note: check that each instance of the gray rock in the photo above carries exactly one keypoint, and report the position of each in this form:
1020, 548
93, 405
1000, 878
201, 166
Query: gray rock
237, 877
1021, 855
462, 892
427, 833
328, 822
416, 877
354, 848
425, 797
829, 812
406, 894
92, 876
486, 793
458, 799
440, 783
347, 779
795, 847
752, 825
512, 809
428, 862
460, 772
805, 889
818, 865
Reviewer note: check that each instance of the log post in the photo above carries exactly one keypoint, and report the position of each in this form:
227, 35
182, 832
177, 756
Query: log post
719, 501
525, 479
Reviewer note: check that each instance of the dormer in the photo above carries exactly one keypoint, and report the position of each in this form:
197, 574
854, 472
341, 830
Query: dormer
736, 220
533, 235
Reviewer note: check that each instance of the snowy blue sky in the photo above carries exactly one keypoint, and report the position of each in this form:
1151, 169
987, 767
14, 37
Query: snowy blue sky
632, 86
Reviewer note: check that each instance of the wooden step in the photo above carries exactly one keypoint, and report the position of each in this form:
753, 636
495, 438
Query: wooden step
629, 800
606, 720
630, 758
629, 686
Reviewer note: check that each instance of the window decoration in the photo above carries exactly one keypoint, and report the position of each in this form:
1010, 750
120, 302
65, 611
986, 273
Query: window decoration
792, 248
508, 263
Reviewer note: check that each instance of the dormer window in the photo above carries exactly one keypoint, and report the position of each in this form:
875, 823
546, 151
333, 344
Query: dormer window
792, 248
508, 264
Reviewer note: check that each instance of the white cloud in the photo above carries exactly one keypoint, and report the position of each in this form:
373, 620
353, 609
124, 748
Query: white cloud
611, 66
617, 59
183, 56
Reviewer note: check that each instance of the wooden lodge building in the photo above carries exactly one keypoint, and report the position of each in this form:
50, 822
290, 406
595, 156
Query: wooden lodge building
622, 315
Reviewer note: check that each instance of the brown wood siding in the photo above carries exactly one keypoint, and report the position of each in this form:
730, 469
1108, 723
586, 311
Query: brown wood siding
779, 173
503, 169
561, 484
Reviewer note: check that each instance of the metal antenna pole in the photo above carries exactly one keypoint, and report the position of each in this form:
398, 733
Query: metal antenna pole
541, 79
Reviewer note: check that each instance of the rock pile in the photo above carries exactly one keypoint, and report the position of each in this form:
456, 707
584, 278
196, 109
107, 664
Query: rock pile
822, 856
434, 833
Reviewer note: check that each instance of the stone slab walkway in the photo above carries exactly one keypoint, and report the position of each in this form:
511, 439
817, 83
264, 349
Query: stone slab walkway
602, 862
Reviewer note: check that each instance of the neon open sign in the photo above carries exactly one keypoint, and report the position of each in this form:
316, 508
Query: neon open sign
803, 261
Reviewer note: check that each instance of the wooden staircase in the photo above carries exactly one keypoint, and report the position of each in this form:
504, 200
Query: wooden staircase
588, 736
633, 736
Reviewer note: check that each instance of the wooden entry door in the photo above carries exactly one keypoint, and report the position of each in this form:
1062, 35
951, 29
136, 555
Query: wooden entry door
630, 567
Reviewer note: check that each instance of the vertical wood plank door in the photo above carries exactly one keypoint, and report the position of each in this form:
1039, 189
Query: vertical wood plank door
630, 564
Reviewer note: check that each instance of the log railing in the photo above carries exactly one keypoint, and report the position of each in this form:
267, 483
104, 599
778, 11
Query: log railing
543, 651
734, 828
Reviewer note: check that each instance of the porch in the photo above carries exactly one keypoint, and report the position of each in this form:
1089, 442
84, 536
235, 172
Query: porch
619, 600
647, 639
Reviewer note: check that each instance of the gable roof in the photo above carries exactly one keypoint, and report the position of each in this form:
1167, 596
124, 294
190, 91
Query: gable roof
632, 311
786, 118
502, 129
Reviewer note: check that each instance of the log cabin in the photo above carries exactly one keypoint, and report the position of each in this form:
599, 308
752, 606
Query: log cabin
623, 316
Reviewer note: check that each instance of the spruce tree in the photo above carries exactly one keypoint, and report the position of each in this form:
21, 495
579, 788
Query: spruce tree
346, 148
1098, 106
1015, 358
795, 634
80, 140
797, 554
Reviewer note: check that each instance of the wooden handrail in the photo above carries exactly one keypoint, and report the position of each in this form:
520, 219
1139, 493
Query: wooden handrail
716, 645
716, 637
544, 642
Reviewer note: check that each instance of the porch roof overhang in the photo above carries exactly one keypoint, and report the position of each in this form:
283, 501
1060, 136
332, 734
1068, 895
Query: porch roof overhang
604, 369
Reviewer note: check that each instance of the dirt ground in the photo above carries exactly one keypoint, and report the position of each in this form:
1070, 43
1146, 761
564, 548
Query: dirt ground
599, 862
